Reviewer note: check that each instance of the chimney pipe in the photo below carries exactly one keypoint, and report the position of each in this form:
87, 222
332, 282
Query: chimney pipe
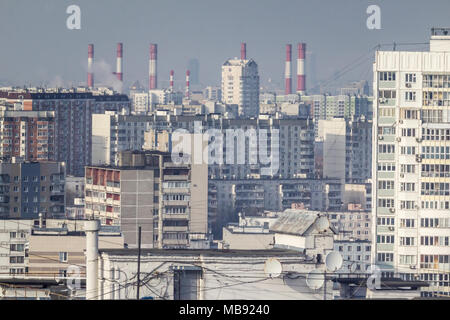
188, 73
288, 68
301, 77
119, 74
152, 66
243, 51
91, 229
90, 81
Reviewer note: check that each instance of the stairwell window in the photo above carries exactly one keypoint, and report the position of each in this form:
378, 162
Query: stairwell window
410, 96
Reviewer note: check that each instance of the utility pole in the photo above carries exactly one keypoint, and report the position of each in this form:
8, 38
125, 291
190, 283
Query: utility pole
139, 264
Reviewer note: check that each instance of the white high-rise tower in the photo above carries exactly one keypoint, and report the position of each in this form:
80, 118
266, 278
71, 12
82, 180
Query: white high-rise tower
240, 86
411, 163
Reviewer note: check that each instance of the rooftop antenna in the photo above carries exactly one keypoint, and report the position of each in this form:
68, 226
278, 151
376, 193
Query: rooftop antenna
333, 261
272, 268
315, 279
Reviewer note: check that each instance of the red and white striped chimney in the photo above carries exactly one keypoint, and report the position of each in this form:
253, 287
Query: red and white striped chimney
152, 66
243, 51
119, 74
171, 79
301, 78
90, 79
188, 73
287, 72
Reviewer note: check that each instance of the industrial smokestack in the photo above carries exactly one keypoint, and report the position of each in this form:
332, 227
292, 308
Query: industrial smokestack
287, 72
188, 73
301, 78
119, 74
171, 79
152, 66
91, 228
90, 80
243, 51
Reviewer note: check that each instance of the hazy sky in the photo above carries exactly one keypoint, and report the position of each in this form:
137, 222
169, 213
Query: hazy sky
36, 46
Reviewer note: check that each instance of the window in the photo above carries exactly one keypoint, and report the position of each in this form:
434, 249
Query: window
410, 78
386, 184
385, 257
386, 166
407, 241
387, 76
19, 259
386, 130
63, 257
410, 96
408, 132
386, 148
385, 239
386, 203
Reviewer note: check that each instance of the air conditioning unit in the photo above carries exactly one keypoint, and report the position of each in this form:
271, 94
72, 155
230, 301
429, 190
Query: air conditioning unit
380, 137
412, 267
392, 210
398, 139
402, 175
408, 85
419, 140
391, 229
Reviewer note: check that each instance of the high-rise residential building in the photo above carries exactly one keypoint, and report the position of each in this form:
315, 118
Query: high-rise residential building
140, 103
240, 86
345, 149
411, 163
72, 129
168, 200
115, 132
212, 93
28, 135
326, 107
30, 188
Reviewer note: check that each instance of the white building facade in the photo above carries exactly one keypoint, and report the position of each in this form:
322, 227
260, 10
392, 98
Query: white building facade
411, 163
240, 86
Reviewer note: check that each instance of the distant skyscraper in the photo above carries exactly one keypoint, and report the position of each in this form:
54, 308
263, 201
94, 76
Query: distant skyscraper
194, 68
311, 71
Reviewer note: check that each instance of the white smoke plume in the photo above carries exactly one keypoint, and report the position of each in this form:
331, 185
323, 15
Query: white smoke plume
103, 76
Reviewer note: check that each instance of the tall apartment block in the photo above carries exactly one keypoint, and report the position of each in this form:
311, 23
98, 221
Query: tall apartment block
295, 143
240, 86
28, 135
345, 149
168, 201
30, 188
115, 132
411, 163
72, 128
326, 107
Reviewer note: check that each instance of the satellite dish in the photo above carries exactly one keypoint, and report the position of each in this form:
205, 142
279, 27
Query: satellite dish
315, 279
273, 268
333, 261
352, 267
322, 224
